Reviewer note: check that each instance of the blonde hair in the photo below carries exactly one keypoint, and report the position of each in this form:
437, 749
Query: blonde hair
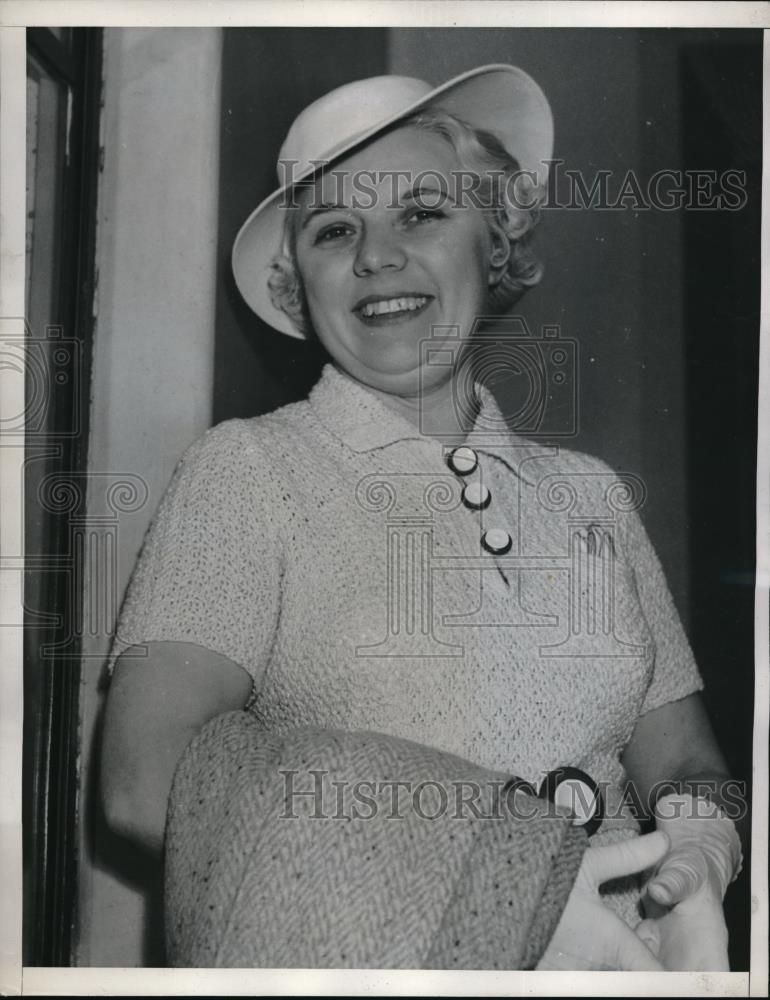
510, 217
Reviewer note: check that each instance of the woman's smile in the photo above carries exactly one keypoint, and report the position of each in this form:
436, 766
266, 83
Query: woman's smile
374, 310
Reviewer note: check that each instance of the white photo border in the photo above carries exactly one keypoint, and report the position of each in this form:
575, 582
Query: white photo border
14, 16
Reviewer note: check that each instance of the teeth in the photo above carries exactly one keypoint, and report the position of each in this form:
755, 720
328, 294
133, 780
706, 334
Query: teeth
393, 305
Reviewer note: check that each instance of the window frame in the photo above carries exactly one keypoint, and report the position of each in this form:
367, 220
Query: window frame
52, 749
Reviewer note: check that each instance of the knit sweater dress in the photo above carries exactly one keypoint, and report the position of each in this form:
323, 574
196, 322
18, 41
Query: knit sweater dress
327, 550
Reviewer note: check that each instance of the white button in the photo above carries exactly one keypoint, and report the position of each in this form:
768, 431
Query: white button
463, 460
578, 798
496, 540
476, 495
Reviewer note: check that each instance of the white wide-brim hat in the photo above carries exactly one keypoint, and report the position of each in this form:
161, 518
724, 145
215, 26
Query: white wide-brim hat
500, 99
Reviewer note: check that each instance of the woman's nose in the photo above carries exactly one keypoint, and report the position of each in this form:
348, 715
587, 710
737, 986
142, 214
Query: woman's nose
378, 250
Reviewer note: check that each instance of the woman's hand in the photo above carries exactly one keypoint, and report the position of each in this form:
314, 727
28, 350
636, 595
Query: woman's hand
683, 901
674, 745
690, 933
589, 935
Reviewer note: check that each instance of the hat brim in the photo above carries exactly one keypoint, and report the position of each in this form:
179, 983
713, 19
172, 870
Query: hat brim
500, 99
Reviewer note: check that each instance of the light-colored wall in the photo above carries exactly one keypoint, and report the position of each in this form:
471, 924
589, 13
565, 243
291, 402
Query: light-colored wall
152, 375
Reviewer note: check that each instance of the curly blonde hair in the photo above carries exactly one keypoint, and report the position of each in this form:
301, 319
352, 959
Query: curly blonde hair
508, 197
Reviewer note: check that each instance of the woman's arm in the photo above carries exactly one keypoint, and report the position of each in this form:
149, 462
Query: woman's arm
674, 747
156, 704
673, 759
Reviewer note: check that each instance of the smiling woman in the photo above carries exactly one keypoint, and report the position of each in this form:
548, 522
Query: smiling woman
388, 558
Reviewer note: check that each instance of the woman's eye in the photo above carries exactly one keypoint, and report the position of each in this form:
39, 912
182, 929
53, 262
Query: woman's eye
331, 233
425, 215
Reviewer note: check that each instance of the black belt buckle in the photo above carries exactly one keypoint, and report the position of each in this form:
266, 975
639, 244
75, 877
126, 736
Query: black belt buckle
587, 792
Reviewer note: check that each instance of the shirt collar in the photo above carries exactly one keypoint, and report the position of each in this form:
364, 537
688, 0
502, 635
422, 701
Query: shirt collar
362, 421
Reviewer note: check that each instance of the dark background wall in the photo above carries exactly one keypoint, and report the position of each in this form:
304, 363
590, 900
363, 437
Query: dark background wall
664, 306
268, 76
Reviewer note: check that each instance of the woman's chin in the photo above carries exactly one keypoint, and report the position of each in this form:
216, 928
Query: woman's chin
399, 381
388, 363
396, 363
408, 380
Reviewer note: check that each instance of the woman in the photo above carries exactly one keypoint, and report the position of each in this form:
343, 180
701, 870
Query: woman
385, 556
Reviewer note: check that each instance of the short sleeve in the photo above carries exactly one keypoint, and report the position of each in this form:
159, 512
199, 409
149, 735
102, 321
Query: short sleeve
209, 569
675, 673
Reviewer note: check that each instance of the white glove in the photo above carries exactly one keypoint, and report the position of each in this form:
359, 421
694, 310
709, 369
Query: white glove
589, 935
683, 901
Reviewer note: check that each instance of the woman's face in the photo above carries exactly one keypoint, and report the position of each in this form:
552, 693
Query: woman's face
385, 260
